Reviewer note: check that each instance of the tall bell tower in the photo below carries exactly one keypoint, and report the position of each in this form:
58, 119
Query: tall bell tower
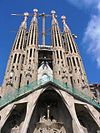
31, 53
13, 73
76, 72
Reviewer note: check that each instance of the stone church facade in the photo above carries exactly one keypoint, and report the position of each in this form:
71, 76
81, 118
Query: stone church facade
45, 88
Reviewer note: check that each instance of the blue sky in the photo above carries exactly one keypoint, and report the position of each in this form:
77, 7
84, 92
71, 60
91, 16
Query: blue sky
83, 18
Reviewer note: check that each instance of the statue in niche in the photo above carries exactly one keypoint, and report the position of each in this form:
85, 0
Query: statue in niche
48, 124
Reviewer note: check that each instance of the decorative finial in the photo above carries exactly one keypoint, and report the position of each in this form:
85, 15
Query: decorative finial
35, 13
35, 10
43, 13
63, 17
53, 12
26, 14
64, 23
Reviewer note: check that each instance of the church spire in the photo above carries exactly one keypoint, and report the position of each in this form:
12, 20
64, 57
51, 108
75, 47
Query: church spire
56, 34
69, 37
20, 37
74, 62
13, 72
66, 28
31, 52
23, 24
59, 64
33, 30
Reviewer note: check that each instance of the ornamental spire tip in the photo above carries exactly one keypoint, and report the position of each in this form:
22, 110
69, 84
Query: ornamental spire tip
26, 14
35, 10
63, 17
53, 12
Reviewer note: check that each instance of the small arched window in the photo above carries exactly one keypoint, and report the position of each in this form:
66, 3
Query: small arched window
45, 77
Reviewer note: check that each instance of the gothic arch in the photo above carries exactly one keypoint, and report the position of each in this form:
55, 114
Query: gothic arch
15, 120
85, 119
50, 108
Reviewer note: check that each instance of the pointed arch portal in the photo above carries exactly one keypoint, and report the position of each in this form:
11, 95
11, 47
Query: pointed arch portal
15, 120
50, 115
86, 119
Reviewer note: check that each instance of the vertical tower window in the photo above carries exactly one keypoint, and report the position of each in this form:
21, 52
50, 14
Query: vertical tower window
71, 80
35, 40
32, 36
61, 54
27, 55
58, 36
73, 44
59, 72
68, 61
27, 82
23, 57
28, 38
57, 54
22, 40
30, 52
19, 40
20, 78
18, 44
74, 47
34, 53
69, 44
73, 61
77, 61
55, 36
66, 46
18, 58
78, 80
32, 39
15, 58
59, 39
55, 41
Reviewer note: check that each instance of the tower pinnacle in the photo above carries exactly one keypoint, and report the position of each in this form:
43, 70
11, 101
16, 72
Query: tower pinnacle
64, 23
13, 72
53, 13
35, 15
26, 14
35, 10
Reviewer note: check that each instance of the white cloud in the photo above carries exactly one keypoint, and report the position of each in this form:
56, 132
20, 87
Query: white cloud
98, 6
92, 35
82, 3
